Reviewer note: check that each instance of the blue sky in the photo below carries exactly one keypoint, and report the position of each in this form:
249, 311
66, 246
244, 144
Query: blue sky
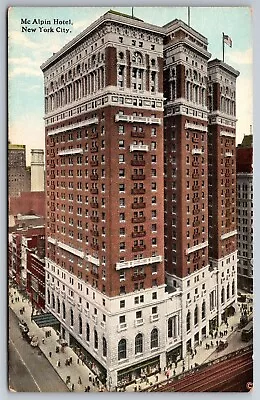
27, 51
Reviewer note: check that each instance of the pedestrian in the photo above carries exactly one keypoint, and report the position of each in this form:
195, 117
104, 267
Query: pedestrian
139, 388
135, 388
79, 381
50, 353
183, 368
78, 361
18, 299
72, 387
70, 360
216, 334
174, 372
43, 340
58, 363
88, 388
211, 343
217, 342
232, 328
89, 377
195, 352
67, 379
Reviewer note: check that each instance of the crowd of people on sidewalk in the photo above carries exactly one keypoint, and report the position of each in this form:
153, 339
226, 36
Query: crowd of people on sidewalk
87, 381
60, 359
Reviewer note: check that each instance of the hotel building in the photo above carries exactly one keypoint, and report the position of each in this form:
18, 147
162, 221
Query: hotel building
127, 270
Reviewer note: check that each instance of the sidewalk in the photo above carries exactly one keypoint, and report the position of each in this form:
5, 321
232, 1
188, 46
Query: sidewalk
201, 356
76, 369
79, 369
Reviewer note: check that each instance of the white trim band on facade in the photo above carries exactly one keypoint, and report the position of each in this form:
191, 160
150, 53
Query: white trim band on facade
226, 133
229, 234
196, 151
228, 154
189, 125
71, 249
139, 147
51, 240
136, 118
80, 124
195, 248
92, 259
141, 261
70, 152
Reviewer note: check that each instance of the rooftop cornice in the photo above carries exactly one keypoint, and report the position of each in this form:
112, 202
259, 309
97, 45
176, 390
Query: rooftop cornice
106, 18
174, 25
218, 63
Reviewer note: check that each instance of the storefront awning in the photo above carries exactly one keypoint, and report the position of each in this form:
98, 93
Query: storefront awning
44, 320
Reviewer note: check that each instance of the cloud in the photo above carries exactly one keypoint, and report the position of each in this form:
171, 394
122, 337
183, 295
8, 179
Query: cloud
244, 109
240, 57
29, 130
16, 37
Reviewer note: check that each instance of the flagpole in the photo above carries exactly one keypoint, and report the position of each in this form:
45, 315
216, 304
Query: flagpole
223, 46
189, 16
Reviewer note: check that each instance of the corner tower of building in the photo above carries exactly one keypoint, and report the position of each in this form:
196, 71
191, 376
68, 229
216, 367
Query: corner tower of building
222, 183
185, 162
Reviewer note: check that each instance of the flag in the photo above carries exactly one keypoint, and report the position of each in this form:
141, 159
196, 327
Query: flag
227, 40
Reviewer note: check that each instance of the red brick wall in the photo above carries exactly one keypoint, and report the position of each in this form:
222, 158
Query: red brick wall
28, 203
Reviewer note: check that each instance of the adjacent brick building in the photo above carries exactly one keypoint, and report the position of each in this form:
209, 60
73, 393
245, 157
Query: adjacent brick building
26, 262
244, 164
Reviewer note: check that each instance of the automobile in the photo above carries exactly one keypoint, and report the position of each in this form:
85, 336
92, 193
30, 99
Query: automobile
23, 326
35, 341
223, 344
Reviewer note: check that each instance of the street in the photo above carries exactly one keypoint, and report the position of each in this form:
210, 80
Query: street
29, 370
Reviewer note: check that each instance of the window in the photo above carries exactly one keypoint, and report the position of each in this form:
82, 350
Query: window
154, 310
122, 349
95, 339
63, 311
139, 343
80, 325
71, 318
122, 319
154, 295
188, 322
122, 303
104, 345
154, 338
138, 314
87, 332
196, 315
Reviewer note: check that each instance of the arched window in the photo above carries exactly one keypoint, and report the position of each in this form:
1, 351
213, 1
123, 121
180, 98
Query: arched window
53, 301
58, 306
188, 322
87, 332
80, 325
104, 347
233, 288
196, 315
203, 310
71, 317
95, 339
63, 310
154, 338
222, 295
122, 349
139, 343
48, 297
227, 291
